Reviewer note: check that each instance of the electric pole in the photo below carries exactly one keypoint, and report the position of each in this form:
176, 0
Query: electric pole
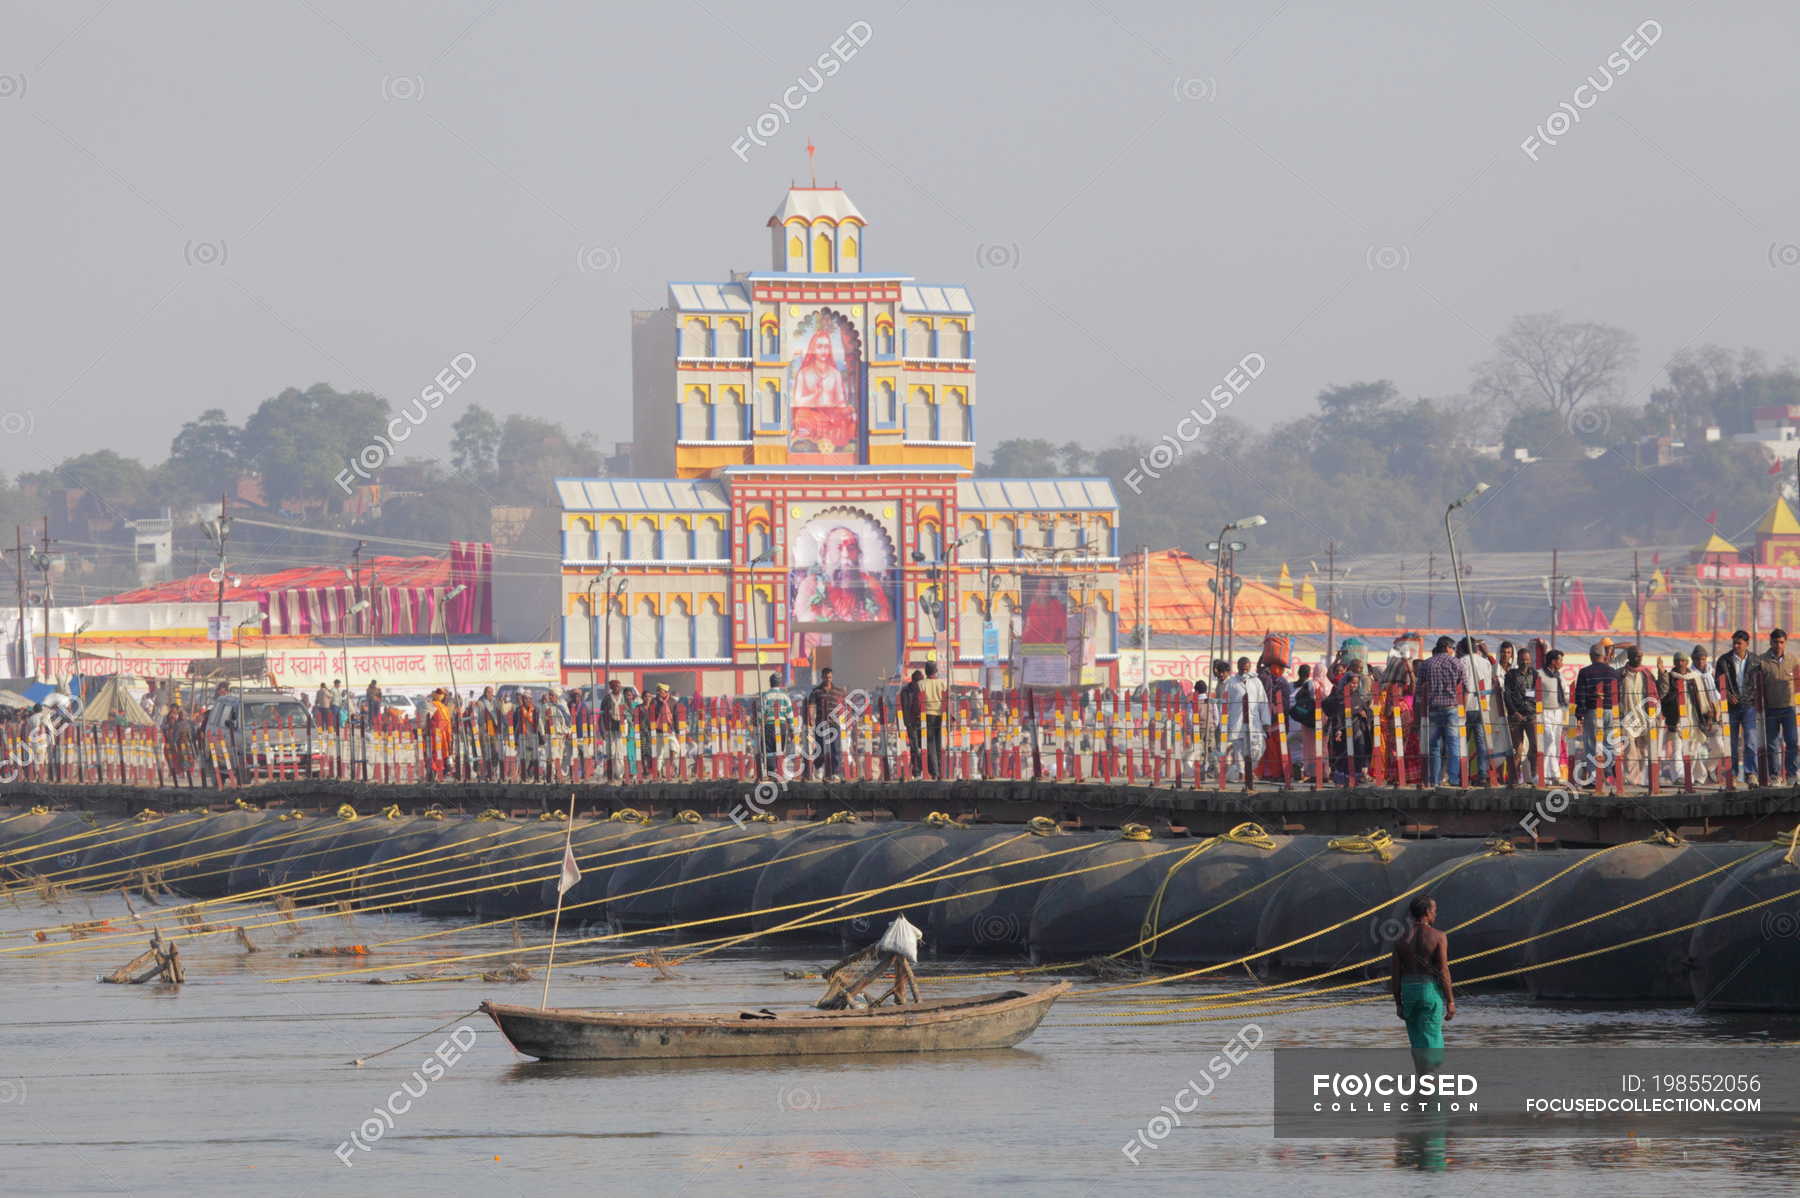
1331, 605
1555, 592
1637, 602
25, 665
221, 532
44, 564
1430, 581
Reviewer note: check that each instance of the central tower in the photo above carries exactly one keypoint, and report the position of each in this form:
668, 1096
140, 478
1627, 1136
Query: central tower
816, 362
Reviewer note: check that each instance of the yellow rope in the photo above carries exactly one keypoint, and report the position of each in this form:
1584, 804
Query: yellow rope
1154, 1004
1468, 923
139, 833
912, 881
591, 872
1687, 927
752, 914
1460, 865
1377, 842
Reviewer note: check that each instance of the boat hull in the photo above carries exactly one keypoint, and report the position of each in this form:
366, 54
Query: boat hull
993, 1021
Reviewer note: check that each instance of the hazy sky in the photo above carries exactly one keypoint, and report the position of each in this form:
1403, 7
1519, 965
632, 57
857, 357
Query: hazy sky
208, 202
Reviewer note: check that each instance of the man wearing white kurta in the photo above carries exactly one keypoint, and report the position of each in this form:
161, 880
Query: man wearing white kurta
1246, 720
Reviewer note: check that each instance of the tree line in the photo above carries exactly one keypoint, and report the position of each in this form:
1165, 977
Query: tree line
1578, 463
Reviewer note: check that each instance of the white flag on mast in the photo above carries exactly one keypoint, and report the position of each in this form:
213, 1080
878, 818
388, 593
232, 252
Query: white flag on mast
570, 873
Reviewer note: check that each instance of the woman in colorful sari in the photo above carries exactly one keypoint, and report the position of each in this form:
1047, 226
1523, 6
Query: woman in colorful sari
1397, 696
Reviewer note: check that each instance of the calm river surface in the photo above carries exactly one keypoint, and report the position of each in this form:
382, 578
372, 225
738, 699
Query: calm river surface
232, 1085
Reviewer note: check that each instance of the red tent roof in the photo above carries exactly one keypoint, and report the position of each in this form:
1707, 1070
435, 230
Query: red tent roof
385, 571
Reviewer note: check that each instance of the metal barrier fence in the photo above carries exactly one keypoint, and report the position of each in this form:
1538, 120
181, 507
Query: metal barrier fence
1098, 736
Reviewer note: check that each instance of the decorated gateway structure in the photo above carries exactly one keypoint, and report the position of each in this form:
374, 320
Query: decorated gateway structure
803, 494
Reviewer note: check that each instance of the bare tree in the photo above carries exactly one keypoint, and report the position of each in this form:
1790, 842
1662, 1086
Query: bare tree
1543, 360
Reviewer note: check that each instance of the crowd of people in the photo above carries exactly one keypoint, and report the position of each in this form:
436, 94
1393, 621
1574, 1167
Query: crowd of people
1508, 716
1461, 714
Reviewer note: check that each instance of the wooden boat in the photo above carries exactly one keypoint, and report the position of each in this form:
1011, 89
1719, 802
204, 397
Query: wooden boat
939, 1025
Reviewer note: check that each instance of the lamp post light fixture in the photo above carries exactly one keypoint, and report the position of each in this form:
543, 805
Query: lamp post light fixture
1455, 569
355, 609
765, 558
1225, 584
612, 581
449, 657
218, 531
1463, 608
237, 635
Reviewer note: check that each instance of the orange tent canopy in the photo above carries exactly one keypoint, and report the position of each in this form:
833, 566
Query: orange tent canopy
1182, 605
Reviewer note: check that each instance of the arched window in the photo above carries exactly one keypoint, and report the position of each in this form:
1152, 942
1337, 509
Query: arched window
931, 542
731, 417
578, 544
918, 415
758, 541
849, 254
975, 546
768, 404
762, 614
709, 540
612, 540
615, 638
796, 253
968, 631
728, 339
678, 631
695, 412
918, 338
884, 339
678, 541
711, 635
578, 633
953, 416
643, 540
644, 629
694, 338
822, 263
887, 407
1004, 539
771, 340
951, 339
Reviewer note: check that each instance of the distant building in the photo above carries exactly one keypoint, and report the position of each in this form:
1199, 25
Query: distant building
801, 492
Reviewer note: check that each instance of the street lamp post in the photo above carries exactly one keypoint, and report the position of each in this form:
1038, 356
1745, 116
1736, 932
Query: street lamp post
237, 635
355, 609
765, 558
1225, 583
600, 612
1463, 609
940, 580
1455, 568
449, 657
219, 532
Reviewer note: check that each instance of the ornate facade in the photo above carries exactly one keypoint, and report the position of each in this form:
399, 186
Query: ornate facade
805, 444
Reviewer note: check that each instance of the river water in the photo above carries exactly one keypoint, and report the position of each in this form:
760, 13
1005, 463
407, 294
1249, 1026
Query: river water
233, 1084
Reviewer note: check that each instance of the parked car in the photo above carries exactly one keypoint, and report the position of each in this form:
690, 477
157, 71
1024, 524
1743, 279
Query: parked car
266, 733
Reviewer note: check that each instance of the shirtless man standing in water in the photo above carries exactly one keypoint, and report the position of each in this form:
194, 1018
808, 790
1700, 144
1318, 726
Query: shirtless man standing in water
1421, 985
